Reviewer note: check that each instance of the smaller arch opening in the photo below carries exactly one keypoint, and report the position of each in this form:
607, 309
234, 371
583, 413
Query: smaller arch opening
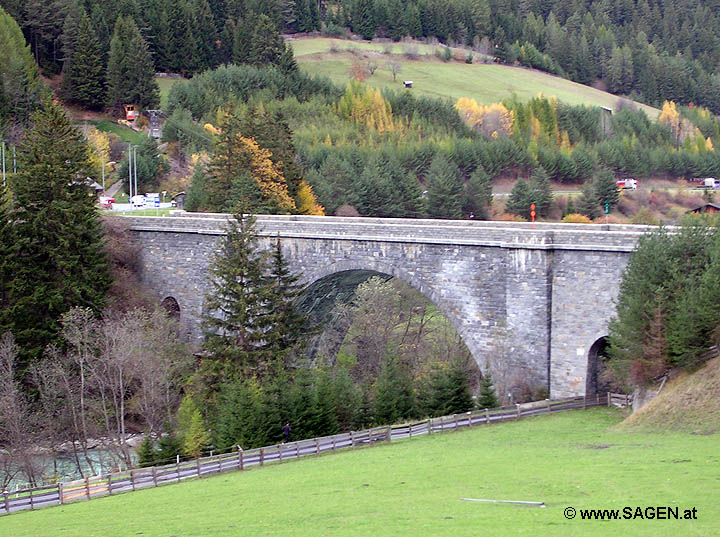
596, 379
171, 306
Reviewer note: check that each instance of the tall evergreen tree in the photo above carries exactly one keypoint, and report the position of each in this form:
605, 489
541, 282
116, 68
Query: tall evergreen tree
606, 190
588, 204
540, 191
519, 200
443, 189
487, 397
83, 70
237, 316
288, 327
130, 72
55, 237
477, 196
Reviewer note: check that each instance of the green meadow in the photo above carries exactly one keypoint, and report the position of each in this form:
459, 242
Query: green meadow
414, 487
486, 83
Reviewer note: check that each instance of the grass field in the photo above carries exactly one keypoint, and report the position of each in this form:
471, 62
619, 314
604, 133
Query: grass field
486, 83
165, 84
572, 459
126, 134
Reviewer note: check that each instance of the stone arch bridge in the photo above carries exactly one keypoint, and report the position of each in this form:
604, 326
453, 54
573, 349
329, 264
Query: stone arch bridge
549, 289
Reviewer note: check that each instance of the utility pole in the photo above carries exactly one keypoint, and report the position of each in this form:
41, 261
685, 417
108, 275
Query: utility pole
14, 161
130, 178
135, 168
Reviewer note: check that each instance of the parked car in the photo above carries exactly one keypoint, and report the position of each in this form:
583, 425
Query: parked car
106, 202
627, 184
137, 201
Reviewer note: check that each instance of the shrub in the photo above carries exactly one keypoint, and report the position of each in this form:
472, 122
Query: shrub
469, 57
645, 217
576, 218
507, 217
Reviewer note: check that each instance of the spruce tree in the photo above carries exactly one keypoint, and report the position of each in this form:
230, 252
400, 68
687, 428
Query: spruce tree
520, 199
477, 196
540, 191
487, 397
146, 453
287, 330
588, 204
606, 189
130, 71
56, 251
83, 70
237, 315
443, 189
266, 45
458, 398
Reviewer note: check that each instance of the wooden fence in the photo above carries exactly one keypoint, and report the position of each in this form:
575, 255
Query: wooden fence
138, 478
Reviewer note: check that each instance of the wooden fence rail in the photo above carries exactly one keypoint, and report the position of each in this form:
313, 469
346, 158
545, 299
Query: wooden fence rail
139, 478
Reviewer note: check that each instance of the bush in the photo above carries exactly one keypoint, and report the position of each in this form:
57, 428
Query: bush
576, 218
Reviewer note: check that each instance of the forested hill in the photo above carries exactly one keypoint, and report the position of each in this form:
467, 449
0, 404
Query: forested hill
650, 49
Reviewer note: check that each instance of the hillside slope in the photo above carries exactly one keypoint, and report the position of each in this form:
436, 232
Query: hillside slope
486, 83
689, 402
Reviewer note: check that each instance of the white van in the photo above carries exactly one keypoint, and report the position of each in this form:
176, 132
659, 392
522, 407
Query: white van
137, 201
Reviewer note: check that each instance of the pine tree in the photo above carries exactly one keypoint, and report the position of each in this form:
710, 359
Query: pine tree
130, 69
477, 196
458, 398
146, 453
83, 70
606, 190
267, 45
364, 19
520, 200
443, 189
57, 260
237, 315
487, 397
287, 329
540, 191
588, 204
394, 397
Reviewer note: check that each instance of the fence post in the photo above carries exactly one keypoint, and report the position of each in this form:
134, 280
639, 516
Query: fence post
110, 484
177, 466
487, 417
280, 452
132, 479
32, 504
469, 415
585, 401
517, 410
297, 450
317, 446
352, 438
262, 456
154, 472
87, 487
333, 446
60, 493
197, 466
627, 400
389, 433
429, 425
608, 398
7, 501
455, 421
410, 430
242, 462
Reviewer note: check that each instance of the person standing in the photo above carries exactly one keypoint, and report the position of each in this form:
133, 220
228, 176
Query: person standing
286, 432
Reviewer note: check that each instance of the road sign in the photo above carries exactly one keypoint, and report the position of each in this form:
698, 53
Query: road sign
607, 207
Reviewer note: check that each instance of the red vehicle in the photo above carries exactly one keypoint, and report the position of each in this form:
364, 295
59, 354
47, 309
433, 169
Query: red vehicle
106, 202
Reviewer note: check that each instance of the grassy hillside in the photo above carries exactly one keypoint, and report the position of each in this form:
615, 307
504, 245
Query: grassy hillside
689, 402
414, 487
486, 83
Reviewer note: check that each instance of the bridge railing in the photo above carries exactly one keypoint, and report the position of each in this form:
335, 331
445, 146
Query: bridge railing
138, 478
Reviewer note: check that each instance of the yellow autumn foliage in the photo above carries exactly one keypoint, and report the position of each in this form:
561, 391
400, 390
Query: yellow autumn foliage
267, 174
307, 202
492, 120
100, 148
367, 106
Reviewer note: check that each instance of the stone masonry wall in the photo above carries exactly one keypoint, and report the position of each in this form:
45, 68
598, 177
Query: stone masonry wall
551, 288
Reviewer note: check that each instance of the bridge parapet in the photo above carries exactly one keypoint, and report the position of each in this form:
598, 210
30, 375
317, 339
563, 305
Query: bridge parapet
595, 237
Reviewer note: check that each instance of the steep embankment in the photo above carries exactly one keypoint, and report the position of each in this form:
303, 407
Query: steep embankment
688, 402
